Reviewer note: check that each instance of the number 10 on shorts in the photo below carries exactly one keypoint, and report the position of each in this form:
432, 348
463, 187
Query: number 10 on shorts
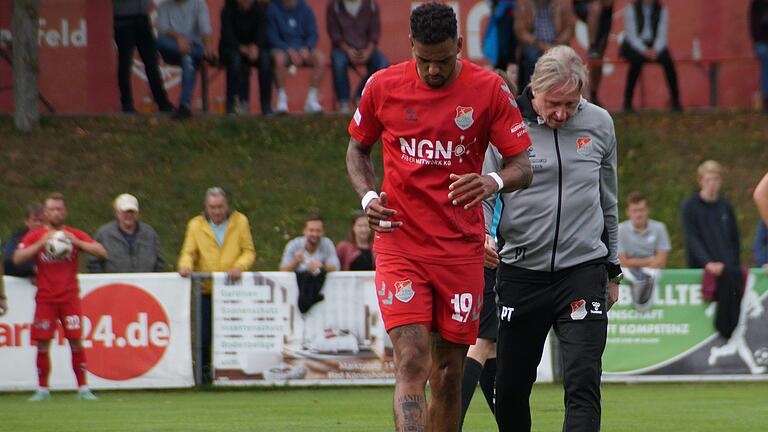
462, 306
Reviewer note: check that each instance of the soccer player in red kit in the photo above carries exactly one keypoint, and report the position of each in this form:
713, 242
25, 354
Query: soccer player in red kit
57, 297
435, 115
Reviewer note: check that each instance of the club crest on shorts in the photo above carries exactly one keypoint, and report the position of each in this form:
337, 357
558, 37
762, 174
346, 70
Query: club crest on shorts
583, 146
578, 309
464, 117
404, 290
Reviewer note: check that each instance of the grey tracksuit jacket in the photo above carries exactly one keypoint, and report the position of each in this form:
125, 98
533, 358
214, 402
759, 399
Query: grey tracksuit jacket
569, 214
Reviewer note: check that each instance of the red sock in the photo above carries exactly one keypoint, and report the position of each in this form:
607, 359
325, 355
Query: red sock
43, 368
79, 366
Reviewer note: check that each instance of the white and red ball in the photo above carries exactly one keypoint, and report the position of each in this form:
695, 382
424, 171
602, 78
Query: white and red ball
59, 246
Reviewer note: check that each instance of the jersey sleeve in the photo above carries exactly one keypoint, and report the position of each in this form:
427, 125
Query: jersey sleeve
82, 236
507, 130
365, 126
29, 238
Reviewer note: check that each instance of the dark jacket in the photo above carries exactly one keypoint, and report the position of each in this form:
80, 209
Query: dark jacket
243, 27
356, 31
26, 269
291, 28
760, 245
711, 233
122, 257
758, 20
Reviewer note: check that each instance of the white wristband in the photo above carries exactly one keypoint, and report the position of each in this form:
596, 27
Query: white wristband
368, 197
498, 180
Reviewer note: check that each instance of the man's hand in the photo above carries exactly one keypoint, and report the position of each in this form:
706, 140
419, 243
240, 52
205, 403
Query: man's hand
234, 274
208, 51
295, 57
491, 255
471, 187
651, 54
3, 306
298, 257
613, 294
314, 266
377, 211
185, 272
184, 46
306, 57
253, 52
716, 268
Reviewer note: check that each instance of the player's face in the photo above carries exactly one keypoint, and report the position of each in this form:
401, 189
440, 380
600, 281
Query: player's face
127, 219
710, 184
313, 231
638, 213
436, 63
55, 212
216, 206
556, 106
34, 221
361, 228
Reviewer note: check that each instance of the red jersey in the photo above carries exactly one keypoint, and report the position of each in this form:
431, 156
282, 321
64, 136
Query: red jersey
56, 278
428, 134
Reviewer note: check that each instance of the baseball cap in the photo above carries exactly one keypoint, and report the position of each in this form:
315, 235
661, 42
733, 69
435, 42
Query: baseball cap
126, 202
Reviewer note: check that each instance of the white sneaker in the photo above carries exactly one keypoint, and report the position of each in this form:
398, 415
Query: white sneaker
344, 108
282, 106
312, 106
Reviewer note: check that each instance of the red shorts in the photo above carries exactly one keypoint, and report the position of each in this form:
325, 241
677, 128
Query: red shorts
445, 298
47, 315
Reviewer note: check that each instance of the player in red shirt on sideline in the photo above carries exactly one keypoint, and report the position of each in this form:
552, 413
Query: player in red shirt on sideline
57, 295
435, 115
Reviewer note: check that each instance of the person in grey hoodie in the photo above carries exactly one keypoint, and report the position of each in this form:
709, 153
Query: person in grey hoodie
559, 265
132, 246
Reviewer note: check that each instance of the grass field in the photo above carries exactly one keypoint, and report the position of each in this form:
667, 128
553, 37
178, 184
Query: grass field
700, 407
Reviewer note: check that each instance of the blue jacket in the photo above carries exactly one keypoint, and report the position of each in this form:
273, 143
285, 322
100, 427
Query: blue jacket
760, 245
291, 28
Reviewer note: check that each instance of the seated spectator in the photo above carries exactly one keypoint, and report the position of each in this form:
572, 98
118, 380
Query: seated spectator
540, 25
219, 240
646, 23
292, 34
758, 24
34, 220
598, 15
310, 256
356, 253
354, 27
132, 246
243, 45
643, 242
184, 39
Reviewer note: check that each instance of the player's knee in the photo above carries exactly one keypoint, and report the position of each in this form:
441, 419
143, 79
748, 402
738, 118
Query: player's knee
43, 344
75, 343
413, 366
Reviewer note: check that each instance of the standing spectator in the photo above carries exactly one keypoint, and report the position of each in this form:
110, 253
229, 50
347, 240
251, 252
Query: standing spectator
758, 25
219, 240
57, 297
643, 242
598, 14
132, 246
646, 23
760, 246
134, 30
184, 39
354, 27
500, 42
355, 253
311, 257
243, 45
712, 243
33, 221
292, 33
540, 25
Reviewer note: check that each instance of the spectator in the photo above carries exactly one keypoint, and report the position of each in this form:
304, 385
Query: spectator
219, 240
598, 14
292, 33
134, 30
184, 30
760, 245
643, 242
354, 27
646, 23
500, 42
355, 253
33, 221
758, 24
310, 257
243, 45
540, 25
132, 246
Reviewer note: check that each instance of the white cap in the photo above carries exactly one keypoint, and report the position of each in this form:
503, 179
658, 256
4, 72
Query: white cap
126, 202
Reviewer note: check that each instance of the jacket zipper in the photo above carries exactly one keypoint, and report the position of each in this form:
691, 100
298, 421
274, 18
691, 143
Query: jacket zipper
559, 199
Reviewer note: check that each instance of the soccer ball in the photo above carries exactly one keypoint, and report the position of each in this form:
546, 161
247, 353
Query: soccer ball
59, 246
761, 357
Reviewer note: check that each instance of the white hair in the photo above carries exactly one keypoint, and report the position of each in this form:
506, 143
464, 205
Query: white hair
560, 67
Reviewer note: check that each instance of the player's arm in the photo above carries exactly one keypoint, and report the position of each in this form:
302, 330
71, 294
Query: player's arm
86, 244
26, 253
360, 170
471, 189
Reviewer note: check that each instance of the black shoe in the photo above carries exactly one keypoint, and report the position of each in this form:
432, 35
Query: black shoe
183, 113
676, 107
129, 109
166, 107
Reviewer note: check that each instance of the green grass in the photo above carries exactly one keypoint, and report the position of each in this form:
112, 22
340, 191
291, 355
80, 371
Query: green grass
279, 170
646, 407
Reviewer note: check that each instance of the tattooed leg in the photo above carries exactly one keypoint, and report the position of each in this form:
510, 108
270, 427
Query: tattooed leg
412, 364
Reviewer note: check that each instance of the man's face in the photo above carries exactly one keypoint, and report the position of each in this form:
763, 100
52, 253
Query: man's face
216, 206
556, 106
55, 212
710, 184
437, 62
638, 213
34, 221
313, 231
127, 219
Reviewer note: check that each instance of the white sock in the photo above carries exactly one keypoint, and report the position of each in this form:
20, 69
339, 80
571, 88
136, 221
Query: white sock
44, 390
281, 95
312, 95
82, 388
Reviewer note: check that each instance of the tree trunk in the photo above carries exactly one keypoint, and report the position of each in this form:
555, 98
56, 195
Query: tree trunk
25, 66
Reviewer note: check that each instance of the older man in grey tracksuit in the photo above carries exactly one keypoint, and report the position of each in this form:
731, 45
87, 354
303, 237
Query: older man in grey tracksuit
559, 264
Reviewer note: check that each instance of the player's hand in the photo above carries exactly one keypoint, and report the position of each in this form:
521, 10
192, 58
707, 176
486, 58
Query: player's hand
472, 188
72, 238
3, 306
378, 212
234, 274
491, 255
185, 272
613, 294
716, 268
